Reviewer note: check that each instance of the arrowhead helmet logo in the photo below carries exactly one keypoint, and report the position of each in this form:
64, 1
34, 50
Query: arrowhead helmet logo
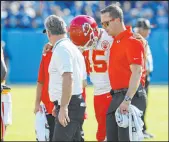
86, 28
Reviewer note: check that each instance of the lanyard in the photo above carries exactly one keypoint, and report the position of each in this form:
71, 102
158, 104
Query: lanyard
59, 42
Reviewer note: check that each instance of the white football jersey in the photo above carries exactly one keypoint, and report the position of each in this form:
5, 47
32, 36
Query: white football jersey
97, 64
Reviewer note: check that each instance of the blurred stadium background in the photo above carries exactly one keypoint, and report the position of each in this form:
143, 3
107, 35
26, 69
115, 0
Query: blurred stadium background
21, 35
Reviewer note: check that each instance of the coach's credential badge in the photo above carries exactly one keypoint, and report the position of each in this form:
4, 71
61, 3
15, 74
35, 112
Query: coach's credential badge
105, 45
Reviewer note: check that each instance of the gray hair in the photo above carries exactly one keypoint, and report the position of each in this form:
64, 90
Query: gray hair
114, 11
55, 25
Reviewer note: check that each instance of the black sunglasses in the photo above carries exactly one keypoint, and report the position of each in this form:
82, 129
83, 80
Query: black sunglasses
106, 23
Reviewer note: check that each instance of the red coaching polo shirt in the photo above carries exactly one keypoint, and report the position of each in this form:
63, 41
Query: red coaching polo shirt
125, 50
43, 77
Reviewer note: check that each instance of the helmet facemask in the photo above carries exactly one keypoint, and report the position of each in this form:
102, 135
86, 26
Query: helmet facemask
93, 37
92, 43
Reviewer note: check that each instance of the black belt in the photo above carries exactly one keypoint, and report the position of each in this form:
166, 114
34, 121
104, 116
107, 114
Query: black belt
78, 95
124, 90
118, 91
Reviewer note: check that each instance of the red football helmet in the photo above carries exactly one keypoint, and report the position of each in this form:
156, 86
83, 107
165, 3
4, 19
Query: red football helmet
83, 31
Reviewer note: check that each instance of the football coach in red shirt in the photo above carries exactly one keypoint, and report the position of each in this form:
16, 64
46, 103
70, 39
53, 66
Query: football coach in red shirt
126, 71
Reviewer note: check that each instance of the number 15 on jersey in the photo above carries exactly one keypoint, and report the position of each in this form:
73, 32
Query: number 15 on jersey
95, 64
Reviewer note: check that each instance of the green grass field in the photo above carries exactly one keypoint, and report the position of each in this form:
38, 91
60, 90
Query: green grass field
23, 98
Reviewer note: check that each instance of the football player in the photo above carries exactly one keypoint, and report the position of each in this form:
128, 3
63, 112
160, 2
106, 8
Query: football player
95, 43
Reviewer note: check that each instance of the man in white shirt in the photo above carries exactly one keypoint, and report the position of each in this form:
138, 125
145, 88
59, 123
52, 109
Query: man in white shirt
65, 81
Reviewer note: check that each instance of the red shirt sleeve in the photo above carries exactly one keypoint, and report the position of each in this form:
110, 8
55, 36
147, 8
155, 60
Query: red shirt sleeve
135, 52
41, 71
84, 94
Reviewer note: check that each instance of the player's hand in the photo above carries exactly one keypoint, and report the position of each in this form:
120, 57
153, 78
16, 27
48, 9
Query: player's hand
81, 49
141, 38
84, 83
38, 108
147, 72
63, 116
54, 111
46, 48
124, 107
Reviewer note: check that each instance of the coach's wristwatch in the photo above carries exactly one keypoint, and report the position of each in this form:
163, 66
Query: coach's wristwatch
127, 99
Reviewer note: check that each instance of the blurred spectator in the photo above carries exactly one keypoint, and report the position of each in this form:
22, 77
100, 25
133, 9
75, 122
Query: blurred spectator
39, 19
134, 13
126, 10
139, 5
67, 15
165, 5
148, 14
78, 7
57, 10
97, 17
12, 21
88, 10
162, 18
